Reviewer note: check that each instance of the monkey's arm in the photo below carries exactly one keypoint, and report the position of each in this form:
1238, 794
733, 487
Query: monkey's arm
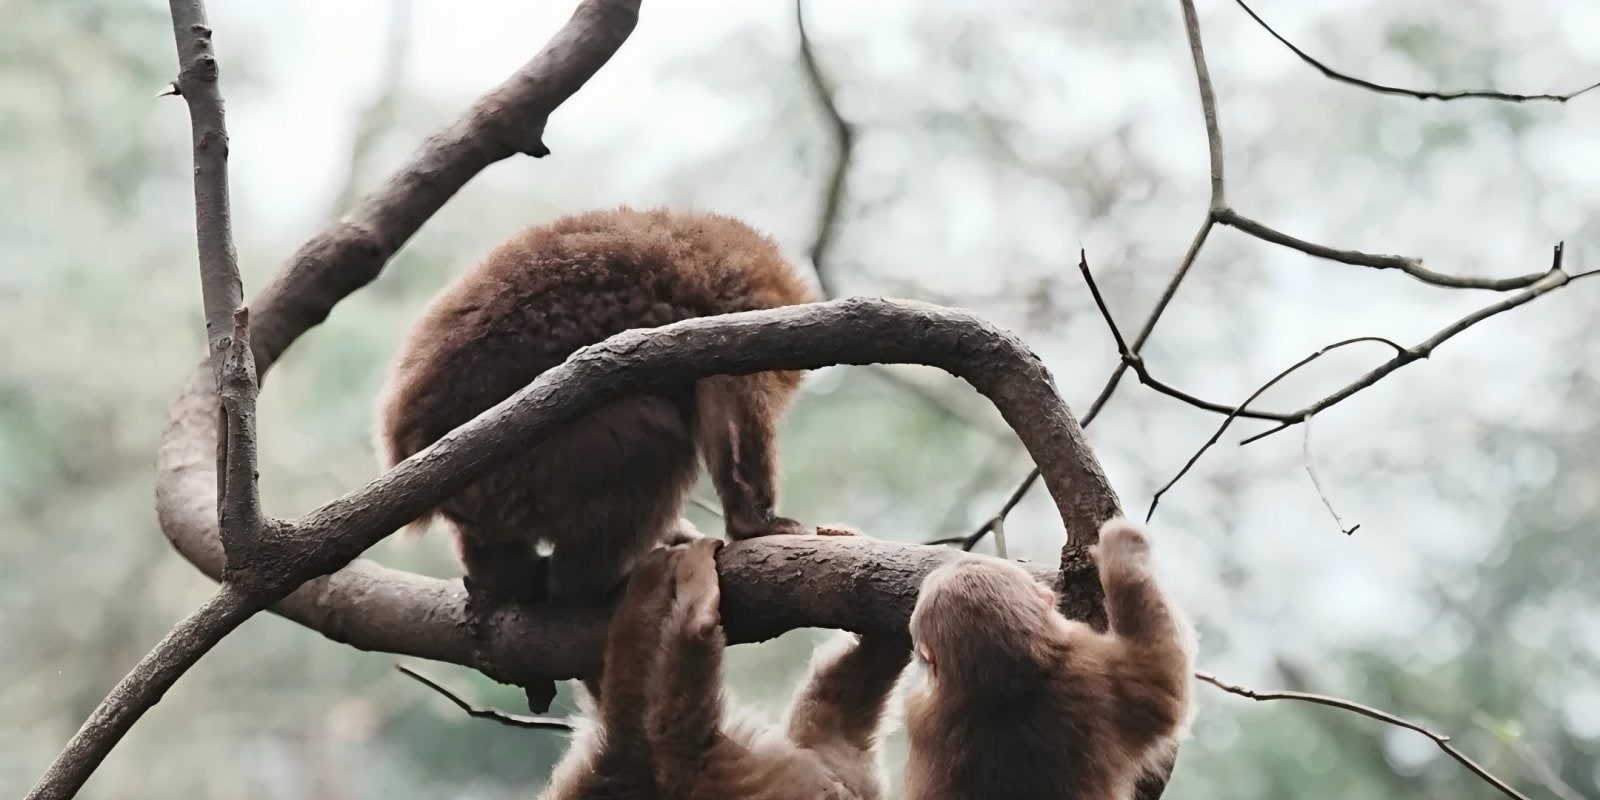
684, 722
633, 652
1137, 609
1151, 639
849, 686
738, 438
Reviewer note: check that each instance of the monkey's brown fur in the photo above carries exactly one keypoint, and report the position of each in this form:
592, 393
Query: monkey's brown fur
660, 729
1022, 703
605, 488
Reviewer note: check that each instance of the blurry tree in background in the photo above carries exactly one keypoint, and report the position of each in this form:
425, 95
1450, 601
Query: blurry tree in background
987, 148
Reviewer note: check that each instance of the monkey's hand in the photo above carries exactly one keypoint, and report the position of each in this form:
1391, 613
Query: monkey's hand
1122, 544
743, 526
699, 594
837, 529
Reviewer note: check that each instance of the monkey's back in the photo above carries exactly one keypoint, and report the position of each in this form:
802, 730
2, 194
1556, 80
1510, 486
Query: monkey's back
605, 487
552, 289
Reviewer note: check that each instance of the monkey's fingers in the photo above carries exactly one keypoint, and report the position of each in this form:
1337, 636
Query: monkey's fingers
1121, 541
837, 529
653, 574
699, 590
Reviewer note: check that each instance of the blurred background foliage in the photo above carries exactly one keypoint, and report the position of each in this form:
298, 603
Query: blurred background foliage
992, 141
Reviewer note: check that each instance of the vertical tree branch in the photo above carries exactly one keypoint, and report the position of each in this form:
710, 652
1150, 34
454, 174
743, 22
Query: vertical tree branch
844, 139
221, 290
510, 119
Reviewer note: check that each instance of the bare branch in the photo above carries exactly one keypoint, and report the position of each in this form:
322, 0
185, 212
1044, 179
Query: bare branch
1410, 266
1134, 361
220, 287
1441, 740
1420, 94
511, 720
142, 688
1552, 280
240, 520
1208, 109
1156, 499
844, 138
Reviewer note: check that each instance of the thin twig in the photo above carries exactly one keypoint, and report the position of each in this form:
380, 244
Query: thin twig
1420, 94
1442, 741
1134, 361
1208, 105
1208, 111
1552, 280
1156, 499
844, 138
511, 720
1311, 472
1410, 266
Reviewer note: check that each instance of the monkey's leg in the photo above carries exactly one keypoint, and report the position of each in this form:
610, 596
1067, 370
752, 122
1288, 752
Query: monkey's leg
612, 487
849, 686
684, 721
498, 571
633, 651
738, 438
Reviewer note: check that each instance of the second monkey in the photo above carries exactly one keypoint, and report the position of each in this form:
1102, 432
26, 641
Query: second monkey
605, 488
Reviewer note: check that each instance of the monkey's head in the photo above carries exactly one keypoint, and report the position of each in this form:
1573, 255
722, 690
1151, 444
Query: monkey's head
985, 619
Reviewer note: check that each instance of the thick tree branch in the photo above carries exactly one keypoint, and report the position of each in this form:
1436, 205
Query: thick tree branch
345, 257
510, 119
232, 374
852, 331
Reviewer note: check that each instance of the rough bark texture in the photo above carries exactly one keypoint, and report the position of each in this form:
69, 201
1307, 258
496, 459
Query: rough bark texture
773, 584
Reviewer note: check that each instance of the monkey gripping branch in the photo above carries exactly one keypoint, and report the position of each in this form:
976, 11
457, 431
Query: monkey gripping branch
308, 569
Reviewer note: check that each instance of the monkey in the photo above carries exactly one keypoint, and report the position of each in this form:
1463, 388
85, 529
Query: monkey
660, 727
1018, 701
603, 489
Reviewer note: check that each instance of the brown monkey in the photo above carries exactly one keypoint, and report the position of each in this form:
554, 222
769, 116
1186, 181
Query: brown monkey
608, 486
1022, 702
827, 750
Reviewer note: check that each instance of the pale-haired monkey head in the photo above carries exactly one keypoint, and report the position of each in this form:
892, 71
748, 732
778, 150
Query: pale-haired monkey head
982, 614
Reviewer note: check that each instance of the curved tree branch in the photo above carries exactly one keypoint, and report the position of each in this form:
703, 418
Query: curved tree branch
846, 584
